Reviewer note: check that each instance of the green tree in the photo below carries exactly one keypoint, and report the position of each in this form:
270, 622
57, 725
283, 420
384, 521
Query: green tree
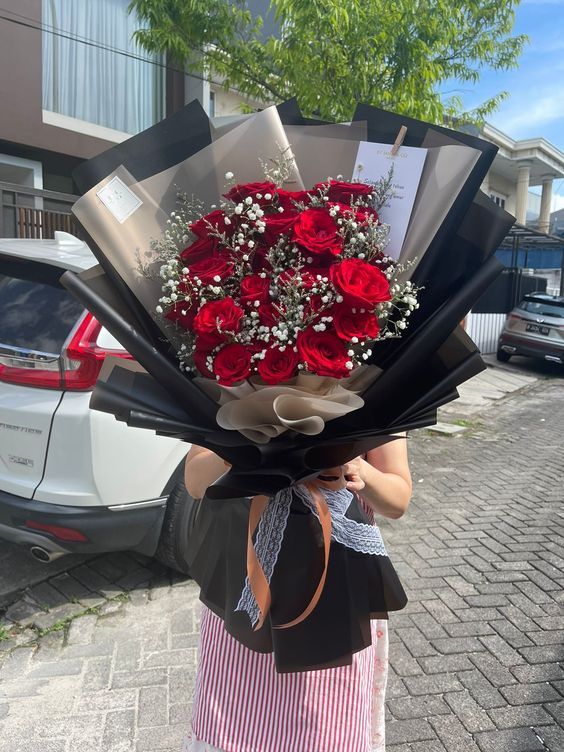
331, 54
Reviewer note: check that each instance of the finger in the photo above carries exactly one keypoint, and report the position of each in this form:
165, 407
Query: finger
356, 487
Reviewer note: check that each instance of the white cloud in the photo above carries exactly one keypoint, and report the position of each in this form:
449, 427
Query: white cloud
522, 117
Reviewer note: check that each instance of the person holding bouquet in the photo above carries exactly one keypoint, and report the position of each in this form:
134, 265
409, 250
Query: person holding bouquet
242, 704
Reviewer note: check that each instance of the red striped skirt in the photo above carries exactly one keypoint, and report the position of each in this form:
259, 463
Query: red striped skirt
242, 704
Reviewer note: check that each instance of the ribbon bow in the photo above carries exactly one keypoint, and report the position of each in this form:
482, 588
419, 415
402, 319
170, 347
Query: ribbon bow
328, 500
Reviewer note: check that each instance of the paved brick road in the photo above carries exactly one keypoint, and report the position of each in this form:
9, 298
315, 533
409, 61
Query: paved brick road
474, 657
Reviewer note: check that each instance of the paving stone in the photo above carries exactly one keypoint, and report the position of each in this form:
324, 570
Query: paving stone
57, 615
530, 693
540, 672
118, 730
493, 670
457, 645
544, 654
469, 629
481, 690
414, 730
22, 612
417, 707
429, 685
519, 716
70, 587
552, 737
440, 663
145, 678
469, 713
453, 734
433, 745
153, 707
81, 630
56, 668
512, 740
403, 662
46, 596
97, 674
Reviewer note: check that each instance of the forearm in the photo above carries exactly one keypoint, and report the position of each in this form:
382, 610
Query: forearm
201, 470
387, 493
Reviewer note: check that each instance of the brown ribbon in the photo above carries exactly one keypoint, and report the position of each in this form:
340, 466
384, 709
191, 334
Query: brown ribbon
257, 579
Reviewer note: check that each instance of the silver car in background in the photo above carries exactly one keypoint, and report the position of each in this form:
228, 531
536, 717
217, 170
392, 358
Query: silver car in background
534, 328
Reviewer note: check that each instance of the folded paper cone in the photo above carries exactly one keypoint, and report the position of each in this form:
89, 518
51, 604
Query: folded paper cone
303, 405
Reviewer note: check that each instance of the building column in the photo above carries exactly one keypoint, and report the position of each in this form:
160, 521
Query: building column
522, 192
485, 187
546, 201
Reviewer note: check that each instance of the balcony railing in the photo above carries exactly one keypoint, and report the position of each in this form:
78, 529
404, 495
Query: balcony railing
33, 213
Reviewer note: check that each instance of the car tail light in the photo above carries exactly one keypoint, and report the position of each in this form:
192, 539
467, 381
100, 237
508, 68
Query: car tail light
83, 358
516, 317
57, 531
77, 368
31, 371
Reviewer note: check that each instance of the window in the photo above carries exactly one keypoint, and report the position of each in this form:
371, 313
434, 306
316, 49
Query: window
36, 313
498, 198
212, 104
92, 69
543, 308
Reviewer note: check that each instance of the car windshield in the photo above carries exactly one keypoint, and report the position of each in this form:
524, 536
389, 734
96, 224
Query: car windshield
543, 308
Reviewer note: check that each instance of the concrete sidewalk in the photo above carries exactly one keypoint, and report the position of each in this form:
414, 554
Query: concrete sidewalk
480, 393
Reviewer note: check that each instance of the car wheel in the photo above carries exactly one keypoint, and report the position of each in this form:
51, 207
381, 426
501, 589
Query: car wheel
502, 356
172, 550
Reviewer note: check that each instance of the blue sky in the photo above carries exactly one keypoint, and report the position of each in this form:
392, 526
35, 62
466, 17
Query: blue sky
535, 106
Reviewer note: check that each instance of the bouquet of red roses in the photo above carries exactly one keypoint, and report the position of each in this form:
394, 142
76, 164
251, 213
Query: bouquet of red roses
284, 293
278, 283
275, 295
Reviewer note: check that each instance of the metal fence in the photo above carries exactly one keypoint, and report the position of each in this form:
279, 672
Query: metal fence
34, 213
484, 329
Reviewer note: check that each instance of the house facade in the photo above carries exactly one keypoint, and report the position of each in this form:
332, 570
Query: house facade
518, 167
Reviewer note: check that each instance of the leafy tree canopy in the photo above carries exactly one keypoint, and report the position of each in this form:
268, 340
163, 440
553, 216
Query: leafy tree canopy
331, 54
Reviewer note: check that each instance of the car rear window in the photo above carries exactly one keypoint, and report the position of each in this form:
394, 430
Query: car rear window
543, 308
36, 312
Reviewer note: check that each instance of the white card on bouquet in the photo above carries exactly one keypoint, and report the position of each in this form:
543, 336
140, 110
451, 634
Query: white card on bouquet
373, 164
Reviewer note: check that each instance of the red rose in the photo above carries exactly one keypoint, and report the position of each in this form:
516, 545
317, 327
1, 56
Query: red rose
217, 317
362, 213
232, 364
210, 224
209, 268
200, 249
323, 353
240, 192
317, 232
254, 287
276, 225
288, 200
268, 315
340, 190
348, 324
360, 283
259, 260
182, 314
278, 365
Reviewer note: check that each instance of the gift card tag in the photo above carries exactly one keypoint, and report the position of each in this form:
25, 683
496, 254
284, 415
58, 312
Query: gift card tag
373, 163
119, 199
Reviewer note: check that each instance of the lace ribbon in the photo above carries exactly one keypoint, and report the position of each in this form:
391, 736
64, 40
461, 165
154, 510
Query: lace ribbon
269, 517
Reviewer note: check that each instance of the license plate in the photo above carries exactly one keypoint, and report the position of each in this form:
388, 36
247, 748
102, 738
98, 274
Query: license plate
538, 329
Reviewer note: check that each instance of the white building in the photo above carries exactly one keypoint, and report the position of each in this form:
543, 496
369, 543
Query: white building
518, 166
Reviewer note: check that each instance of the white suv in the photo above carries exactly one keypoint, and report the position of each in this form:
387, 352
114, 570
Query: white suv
73, 479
